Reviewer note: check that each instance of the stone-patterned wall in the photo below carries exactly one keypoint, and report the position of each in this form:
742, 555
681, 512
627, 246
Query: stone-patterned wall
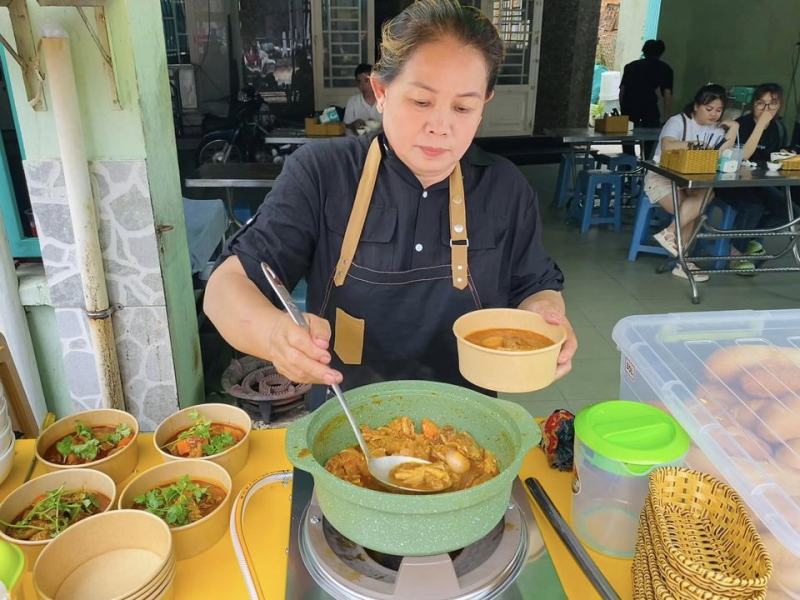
130, 254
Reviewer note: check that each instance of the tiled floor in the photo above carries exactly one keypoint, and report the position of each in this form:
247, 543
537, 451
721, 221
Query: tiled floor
602, 287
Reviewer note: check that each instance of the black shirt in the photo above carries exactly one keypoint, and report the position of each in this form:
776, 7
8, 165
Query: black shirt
772, 139
641, 78
299, 228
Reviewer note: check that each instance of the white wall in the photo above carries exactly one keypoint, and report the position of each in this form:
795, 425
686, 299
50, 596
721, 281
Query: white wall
630, 34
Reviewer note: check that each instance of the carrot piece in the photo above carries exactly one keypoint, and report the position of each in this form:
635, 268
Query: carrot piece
183, 447
125, 441
429, 429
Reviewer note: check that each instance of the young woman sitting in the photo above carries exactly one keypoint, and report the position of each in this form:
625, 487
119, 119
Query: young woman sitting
699, 121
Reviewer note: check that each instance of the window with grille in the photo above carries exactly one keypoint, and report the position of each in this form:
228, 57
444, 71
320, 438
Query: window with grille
514, 19
173, 15
344, 34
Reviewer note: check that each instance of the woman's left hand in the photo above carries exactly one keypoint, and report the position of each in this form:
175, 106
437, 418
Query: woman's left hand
554, 315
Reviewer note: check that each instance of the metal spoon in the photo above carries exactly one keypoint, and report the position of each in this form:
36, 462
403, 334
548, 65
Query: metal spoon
380, 468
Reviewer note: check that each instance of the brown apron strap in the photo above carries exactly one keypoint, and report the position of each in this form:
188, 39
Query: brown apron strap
358, 215
459, 242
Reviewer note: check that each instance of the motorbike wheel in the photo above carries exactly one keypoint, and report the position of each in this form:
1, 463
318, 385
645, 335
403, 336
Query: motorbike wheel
214, 152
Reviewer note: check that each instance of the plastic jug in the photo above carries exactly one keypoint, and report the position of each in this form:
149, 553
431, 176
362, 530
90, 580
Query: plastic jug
617, 444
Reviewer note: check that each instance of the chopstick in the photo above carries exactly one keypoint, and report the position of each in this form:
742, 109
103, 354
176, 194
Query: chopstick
566, 534
49, 419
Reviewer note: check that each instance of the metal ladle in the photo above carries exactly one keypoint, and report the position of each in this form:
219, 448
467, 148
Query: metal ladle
380, 468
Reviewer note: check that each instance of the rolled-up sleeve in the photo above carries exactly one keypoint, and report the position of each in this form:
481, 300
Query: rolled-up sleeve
532, 269
284, 231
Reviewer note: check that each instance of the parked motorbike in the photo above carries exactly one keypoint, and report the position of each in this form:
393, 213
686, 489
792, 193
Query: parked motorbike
241, 138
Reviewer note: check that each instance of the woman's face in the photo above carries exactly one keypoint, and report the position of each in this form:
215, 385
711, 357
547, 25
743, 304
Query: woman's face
708, 114
768, 102
433, 108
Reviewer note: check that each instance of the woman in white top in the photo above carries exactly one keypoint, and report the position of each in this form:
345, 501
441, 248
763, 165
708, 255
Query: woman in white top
700, 121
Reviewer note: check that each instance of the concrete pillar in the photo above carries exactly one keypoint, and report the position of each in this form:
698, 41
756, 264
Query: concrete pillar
569, 41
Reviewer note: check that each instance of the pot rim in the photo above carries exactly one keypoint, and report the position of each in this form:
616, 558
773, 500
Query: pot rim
511, 412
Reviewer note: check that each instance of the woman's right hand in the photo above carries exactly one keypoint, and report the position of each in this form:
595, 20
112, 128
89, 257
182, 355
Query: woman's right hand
302, 356
765, 117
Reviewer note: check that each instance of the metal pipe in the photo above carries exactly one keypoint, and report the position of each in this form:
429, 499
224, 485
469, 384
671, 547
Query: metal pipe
64, 98
14, 326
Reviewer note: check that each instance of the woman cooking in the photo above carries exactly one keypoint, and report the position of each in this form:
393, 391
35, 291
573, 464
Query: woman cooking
397, 234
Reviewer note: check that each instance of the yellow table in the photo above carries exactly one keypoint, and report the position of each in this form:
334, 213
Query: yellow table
215, 573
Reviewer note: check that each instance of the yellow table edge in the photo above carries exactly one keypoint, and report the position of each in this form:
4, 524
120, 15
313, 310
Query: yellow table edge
215, 573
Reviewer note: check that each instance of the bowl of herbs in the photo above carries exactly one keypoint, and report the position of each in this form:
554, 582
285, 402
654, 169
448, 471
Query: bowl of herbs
104, 439
192, 496
219, 433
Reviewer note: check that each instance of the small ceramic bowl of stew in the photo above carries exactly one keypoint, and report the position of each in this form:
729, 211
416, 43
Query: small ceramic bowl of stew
192, 496
104, 439
219, 433
508, 350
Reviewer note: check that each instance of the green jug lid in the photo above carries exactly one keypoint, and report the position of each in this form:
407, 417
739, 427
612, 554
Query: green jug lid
12, 563
631, 432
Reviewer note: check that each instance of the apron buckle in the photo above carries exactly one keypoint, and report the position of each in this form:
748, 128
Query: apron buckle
464, 242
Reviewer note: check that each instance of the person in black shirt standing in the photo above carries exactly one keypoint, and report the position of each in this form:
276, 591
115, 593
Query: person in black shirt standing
642, 82
398, 233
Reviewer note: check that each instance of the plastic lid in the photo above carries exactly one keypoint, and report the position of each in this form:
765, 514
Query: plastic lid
12, 563
631, 432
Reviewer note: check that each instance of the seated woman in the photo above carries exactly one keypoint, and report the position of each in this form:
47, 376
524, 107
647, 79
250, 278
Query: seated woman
699, 121
765, 133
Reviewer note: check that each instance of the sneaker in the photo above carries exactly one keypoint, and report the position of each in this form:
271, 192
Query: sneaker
666, 240
698, 277
754, 248
744, 267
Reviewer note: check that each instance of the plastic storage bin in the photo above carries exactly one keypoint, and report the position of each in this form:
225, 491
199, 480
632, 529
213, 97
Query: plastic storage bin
617, 445
732, 379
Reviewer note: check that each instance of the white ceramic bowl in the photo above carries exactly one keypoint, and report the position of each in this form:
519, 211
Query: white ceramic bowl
6, 436
773, 166
7, 460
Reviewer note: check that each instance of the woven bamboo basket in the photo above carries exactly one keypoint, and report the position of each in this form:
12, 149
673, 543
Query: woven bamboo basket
705, 533
681, 586
690, 161
791, 164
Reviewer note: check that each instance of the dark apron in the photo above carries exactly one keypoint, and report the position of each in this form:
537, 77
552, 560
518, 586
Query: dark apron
390, 325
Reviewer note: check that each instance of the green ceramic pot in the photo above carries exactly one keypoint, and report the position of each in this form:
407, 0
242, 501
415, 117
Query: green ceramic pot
414, 525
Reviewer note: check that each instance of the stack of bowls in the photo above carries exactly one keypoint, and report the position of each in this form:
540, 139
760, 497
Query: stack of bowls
122, 554
7, 439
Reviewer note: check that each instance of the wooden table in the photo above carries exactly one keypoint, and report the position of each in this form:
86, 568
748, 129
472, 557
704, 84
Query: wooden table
744, 178
230, 176
215, 573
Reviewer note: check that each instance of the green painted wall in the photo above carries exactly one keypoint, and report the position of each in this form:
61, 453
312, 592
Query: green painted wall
731, 43
141, 129
155, 104
110, 132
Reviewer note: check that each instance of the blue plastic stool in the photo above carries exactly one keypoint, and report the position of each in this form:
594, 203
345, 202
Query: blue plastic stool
646, 213
721, 246
564, 189
583, 203
618, 162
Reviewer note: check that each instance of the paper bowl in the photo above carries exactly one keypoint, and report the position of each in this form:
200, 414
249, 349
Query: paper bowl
232, 459
503, 370
196, 537
23, 497
110, 555
118, 465
6, 436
